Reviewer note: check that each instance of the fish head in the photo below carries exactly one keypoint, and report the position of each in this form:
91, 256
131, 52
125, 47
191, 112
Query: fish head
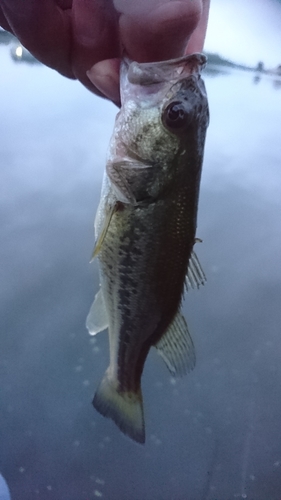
163, 103
161, 99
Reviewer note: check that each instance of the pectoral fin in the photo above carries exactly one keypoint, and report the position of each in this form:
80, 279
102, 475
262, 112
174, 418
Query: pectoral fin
195, 274
104, 230
176, 347
97, 320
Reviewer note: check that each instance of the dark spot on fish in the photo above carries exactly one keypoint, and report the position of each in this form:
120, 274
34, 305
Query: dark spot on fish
119, 206
125, 303
126, 338
146, 128
137, 251
127, 260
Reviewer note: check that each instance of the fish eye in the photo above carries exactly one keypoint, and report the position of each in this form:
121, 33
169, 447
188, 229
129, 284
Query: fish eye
175, 115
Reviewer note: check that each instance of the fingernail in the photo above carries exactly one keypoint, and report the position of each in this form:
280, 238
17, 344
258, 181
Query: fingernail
105, 77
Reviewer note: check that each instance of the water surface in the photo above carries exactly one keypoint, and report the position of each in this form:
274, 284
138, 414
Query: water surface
214, 434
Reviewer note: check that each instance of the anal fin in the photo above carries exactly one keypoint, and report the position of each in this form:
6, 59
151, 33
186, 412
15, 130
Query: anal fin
176, 347
195, 275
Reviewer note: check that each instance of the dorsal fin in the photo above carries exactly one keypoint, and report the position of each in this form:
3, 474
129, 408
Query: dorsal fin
176, 347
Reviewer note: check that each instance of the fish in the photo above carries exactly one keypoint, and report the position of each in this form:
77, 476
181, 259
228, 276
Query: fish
145, 230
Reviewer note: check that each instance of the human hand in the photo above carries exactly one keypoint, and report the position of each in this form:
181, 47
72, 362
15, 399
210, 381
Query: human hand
84, 39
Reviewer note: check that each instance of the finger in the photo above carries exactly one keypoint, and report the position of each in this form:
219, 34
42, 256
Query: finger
95, 35
196, 41
158, 33
44, 29
105, 76
64, 4
3, 21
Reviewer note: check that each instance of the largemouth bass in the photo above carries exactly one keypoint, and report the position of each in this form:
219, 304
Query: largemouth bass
145, 229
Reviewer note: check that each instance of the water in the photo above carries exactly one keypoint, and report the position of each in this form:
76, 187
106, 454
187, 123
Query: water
214, 434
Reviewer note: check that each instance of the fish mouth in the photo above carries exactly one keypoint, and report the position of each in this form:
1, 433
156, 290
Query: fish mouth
164, 71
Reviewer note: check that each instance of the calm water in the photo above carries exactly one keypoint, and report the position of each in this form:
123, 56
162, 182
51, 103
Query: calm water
216, 433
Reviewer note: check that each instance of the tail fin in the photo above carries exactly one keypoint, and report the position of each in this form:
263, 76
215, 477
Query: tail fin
124, 408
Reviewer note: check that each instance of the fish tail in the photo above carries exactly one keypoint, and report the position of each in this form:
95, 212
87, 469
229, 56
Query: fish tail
123, 407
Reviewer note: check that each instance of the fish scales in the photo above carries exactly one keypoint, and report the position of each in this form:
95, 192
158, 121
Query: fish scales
145, 229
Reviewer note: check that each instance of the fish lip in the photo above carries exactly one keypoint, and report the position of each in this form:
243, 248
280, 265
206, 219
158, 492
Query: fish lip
157, 72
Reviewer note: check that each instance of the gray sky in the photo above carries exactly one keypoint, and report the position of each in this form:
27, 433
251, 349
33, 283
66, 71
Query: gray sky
246, 31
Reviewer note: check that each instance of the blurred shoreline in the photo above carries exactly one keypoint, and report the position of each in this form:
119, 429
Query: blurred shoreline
21, 54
